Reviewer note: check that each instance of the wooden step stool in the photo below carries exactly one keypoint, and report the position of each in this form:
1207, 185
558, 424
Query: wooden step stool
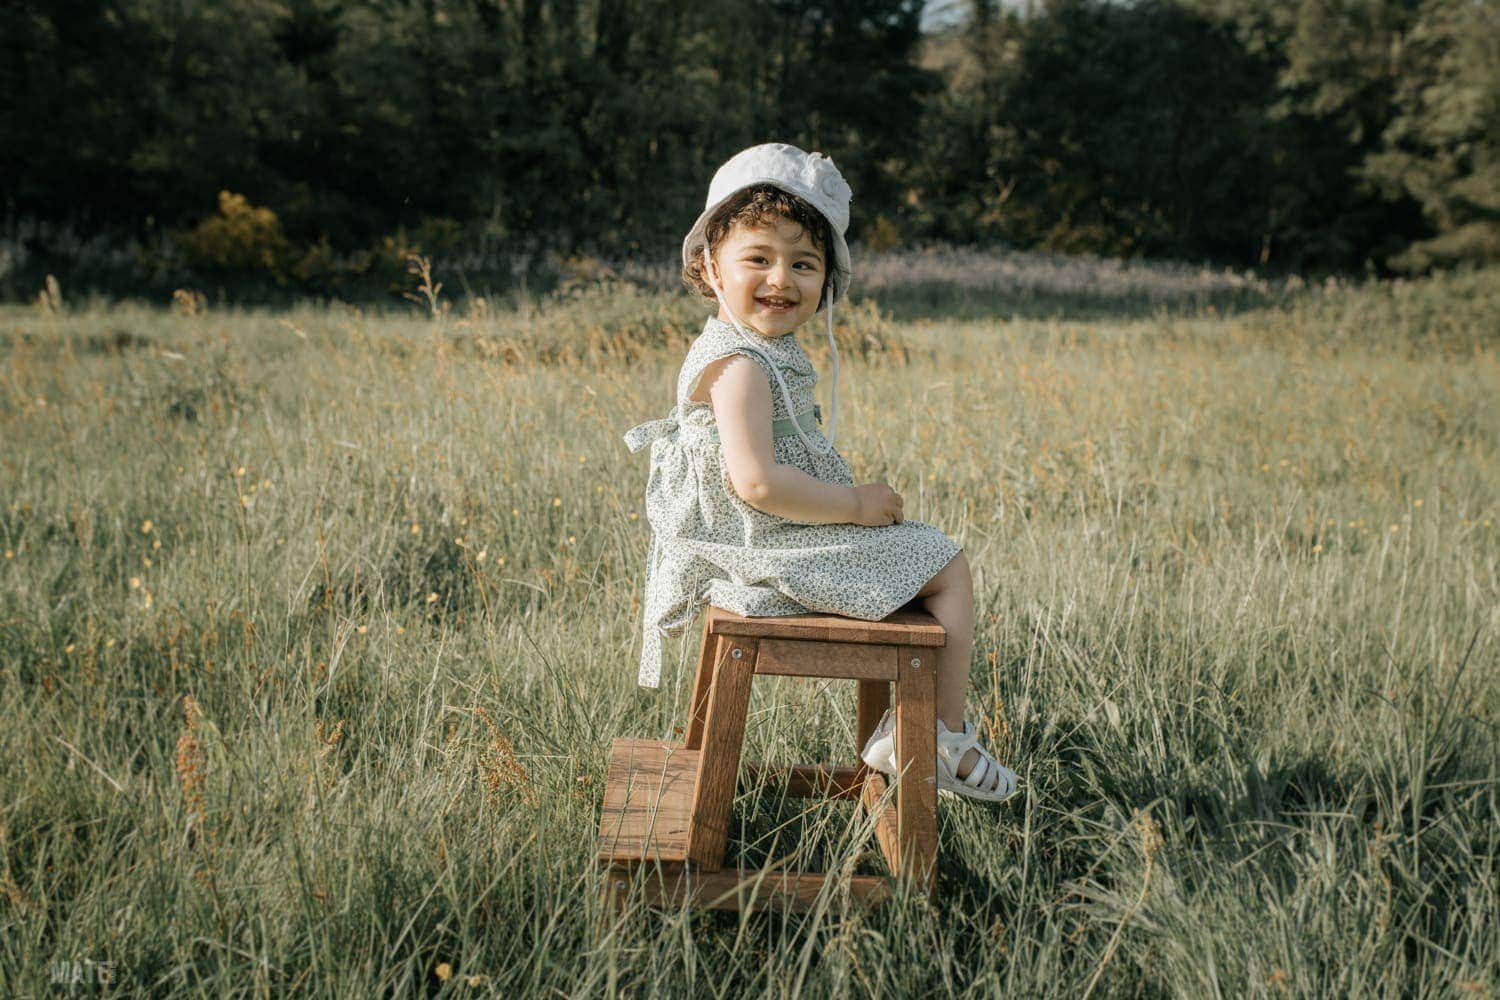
666, 805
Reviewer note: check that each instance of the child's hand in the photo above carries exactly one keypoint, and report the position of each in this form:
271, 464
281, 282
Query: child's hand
876, 505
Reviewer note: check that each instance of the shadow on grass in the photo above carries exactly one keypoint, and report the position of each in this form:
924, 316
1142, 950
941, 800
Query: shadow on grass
770, 828
1410, 826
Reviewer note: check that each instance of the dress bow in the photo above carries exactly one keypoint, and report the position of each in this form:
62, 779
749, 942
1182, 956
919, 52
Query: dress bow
643, 434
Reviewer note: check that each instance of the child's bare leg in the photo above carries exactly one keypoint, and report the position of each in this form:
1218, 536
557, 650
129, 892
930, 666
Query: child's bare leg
949, 597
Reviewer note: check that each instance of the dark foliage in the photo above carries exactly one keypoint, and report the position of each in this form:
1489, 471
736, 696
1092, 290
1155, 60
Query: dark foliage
1296, 136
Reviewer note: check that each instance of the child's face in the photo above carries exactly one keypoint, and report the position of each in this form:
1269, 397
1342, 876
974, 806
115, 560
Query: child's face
771, 276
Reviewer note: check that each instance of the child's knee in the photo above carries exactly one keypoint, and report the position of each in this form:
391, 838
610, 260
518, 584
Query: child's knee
953, 578
958, 576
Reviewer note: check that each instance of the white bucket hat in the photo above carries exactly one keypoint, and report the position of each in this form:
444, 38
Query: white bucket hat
811, 177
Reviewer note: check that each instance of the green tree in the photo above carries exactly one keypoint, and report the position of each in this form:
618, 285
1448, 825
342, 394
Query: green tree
960, 185
1133, 130
1335, 75
1442, 147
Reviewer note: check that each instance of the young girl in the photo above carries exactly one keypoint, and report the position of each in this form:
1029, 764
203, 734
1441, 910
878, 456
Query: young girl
752, 509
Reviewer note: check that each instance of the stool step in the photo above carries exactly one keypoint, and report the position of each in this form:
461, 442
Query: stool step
648, 801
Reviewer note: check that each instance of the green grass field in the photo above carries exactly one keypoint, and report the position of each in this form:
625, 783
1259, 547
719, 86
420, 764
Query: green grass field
315, 627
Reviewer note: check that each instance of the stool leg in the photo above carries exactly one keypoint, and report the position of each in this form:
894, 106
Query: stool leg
873, 699
916, 756
719, 758
698, 708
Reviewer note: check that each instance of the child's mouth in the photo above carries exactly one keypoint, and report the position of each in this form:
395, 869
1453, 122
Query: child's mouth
776, 305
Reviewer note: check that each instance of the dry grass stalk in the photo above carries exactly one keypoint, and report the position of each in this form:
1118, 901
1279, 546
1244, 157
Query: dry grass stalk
499, 766
427, 290
191, 762
1151, 844
49, 299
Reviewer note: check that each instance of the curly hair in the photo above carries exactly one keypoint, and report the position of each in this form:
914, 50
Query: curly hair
755, 206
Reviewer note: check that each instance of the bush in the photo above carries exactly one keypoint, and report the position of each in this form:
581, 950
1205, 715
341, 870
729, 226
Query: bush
241, 237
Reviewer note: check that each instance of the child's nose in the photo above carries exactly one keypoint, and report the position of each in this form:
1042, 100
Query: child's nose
778, 276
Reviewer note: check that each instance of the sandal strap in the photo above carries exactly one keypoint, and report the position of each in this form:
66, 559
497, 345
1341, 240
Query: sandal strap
987, 774
958, 744
1000, 781
995, 780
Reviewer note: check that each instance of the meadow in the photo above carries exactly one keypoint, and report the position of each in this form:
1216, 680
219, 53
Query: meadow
316, 624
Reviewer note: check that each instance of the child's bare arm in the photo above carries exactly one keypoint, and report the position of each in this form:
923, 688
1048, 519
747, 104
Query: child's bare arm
740, 394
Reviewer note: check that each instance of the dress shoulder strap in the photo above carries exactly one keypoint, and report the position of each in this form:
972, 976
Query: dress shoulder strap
719, 340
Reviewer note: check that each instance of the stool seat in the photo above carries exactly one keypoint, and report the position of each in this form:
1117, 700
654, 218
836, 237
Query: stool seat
906, 627
667, 805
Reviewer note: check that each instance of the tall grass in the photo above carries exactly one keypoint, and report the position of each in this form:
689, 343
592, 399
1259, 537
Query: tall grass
315, 627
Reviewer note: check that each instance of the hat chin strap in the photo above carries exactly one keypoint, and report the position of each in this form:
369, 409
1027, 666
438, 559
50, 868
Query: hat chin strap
786, 396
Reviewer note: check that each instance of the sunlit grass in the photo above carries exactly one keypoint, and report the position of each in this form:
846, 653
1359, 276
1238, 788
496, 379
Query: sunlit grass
315, 627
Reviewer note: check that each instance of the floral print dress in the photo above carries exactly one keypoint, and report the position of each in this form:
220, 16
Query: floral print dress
710, 546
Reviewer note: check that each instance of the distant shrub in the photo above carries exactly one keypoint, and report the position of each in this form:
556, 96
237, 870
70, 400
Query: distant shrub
580, 272
882, 235
386, 261
188, 302
241, 237
316, 265
248, 240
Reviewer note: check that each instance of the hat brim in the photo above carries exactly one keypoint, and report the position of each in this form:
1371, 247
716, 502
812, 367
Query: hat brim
692, 245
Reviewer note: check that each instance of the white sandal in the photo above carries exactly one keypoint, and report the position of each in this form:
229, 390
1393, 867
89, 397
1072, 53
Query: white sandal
988, 780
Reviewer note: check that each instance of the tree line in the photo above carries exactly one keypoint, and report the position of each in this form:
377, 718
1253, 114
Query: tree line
1301, 134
